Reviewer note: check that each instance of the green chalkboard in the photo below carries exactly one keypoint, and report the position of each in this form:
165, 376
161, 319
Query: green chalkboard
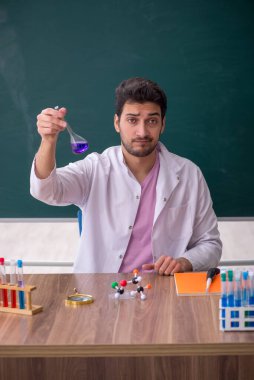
74, 53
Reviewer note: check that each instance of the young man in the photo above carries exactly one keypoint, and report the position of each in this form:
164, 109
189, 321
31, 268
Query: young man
143, 207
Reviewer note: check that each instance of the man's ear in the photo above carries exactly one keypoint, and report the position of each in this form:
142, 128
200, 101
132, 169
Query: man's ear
116, 123
163, 124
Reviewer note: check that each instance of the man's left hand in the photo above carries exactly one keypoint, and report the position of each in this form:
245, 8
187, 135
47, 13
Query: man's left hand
167, 265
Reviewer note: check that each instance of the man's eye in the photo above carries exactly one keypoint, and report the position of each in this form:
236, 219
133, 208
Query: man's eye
131, 120
152, 121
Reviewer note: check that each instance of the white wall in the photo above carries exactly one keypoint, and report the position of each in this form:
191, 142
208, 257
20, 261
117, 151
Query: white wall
58, 242
40, 241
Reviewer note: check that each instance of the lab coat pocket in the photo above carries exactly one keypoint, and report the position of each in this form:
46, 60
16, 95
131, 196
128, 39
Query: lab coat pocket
179, 223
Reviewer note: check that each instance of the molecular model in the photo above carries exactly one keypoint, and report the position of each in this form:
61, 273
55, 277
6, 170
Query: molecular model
136, 280
119, 290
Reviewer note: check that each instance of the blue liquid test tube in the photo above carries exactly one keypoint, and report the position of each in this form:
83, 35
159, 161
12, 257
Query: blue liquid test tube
20, 283
251, 280
223, 298
230, 297
245, 287
238, 289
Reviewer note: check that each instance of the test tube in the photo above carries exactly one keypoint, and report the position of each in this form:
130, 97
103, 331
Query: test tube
238, 288
20, 283
13, 281
230, 288
245, 287
3, 281
251, 281
223, 277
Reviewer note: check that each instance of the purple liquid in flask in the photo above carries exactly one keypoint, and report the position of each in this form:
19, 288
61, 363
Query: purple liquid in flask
78, 144
79, 147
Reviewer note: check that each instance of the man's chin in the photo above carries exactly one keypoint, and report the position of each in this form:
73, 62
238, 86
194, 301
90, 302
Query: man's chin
141, 152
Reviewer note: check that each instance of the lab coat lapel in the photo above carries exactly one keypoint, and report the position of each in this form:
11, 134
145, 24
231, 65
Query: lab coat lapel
168, 179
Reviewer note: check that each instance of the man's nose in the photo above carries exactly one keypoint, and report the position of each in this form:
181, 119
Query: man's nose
141, 129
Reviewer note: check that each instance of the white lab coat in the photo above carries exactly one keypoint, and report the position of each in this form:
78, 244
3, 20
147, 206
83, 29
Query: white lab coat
184, 223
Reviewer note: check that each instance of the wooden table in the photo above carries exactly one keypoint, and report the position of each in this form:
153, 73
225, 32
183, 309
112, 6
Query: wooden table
163, 337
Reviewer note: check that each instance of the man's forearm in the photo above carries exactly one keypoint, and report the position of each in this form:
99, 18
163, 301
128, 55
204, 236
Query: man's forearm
45, 159
204, 255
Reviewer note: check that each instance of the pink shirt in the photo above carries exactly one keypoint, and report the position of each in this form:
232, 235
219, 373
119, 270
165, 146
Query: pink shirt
139, 250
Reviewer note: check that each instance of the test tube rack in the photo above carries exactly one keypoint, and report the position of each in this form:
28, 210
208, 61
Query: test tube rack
29, 308
236, 318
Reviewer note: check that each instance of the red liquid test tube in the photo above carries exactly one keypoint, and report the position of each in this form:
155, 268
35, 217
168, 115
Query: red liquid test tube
13, 281
3, 281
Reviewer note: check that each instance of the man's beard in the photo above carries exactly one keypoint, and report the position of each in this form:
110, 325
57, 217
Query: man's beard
137, 152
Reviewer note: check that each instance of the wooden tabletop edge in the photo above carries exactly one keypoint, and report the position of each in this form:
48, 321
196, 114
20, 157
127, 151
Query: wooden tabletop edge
118, 350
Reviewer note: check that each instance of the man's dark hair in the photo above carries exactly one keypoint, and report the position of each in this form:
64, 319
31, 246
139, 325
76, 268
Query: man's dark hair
139, 90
